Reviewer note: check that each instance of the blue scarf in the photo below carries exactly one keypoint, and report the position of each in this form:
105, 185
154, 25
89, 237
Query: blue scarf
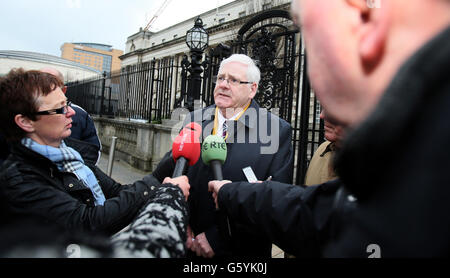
69, 160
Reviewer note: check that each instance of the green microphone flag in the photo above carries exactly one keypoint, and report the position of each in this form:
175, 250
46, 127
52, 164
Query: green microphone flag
214, 153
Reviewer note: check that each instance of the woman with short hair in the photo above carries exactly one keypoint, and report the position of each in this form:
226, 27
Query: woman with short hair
53, 177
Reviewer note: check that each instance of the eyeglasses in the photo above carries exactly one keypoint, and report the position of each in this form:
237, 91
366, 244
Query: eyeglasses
232, 81
62, 110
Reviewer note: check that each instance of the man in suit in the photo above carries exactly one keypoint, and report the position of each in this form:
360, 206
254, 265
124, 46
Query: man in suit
255, 138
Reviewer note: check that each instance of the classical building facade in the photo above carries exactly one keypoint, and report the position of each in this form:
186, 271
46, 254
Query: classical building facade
155, 61
222, 25
100, 57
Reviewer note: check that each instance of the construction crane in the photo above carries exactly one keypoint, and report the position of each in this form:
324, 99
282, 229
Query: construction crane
158, 12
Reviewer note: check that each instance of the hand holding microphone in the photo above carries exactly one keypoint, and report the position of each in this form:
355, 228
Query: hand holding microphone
185, 150
214, 187
182, 182
214, 154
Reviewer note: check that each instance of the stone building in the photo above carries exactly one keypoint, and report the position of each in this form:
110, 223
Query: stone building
221, 24
34, 61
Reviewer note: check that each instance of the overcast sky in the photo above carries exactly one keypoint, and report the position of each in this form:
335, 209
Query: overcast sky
45, 25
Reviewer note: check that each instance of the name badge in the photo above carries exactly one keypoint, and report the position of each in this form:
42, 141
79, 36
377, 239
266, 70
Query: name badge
249, 174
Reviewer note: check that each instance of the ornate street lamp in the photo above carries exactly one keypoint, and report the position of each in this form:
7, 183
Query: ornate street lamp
197, 40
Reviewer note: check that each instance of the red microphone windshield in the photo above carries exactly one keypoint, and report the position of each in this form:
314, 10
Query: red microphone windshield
195, 128
187, 143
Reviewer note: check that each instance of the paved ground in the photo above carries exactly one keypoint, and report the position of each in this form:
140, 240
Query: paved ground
123, 173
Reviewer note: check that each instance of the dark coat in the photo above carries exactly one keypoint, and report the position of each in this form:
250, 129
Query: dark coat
83, 127
4, 149
279, 165
395, 164
33, 186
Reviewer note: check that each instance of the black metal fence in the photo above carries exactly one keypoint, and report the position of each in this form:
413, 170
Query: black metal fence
89, 94
143, 92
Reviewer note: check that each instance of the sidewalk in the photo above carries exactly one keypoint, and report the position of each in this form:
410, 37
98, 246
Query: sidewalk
123, 173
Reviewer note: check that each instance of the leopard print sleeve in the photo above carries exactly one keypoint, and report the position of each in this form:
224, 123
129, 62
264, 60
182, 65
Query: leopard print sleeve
159, 230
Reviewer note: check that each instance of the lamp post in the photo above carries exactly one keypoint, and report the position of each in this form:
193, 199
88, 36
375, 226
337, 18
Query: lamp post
197, 40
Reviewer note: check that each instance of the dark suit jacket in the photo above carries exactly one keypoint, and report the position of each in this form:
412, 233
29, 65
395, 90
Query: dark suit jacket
247, 145
4, 149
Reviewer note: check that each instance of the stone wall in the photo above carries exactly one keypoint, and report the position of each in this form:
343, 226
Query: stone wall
142, 145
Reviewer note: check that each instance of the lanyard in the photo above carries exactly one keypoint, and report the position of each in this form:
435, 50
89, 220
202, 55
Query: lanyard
216, 119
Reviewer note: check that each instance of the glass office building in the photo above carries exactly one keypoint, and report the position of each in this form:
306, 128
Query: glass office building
100, 57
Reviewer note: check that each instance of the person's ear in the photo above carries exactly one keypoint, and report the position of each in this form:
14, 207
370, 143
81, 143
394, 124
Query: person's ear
24, 123
254, 89
374, 30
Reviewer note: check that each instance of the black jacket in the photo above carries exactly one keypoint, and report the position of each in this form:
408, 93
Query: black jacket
4, 149
240, 154
83, 127
395, 165
33, 186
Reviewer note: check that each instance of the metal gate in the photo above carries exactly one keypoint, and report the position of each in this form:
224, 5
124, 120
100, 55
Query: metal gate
271, 39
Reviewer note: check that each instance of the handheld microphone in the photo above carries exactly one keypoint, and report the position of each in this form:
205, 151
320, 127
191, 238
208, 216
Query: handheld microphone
214, 154
186, 148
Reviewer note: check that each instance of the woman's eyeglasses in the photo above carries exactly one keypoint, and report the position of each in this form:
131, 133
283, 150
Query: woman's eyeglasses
62, 110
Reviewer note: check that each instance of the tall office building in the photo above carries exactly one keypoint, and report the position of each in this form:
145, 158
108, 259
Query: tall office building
101, 57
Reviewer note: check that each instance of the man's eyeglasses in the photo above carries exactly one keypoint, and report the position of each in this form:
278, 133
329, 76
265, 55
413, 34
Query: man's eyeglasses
231, 81
62, 110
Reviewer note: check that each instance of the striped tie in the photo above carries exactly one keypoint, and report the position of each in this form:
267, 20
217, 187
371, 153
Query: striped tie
224, 129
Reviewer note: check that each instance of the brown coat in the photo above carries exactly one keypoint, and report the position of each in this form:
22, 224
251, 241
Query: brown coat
321, 168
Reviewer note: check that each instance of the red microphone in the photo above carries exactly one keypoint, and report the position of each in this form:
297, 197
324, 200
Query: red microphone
186, 148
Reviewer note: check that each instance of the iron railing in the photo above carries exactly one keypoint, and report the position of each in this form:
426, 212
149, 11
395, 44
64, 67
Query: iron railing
144, 92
